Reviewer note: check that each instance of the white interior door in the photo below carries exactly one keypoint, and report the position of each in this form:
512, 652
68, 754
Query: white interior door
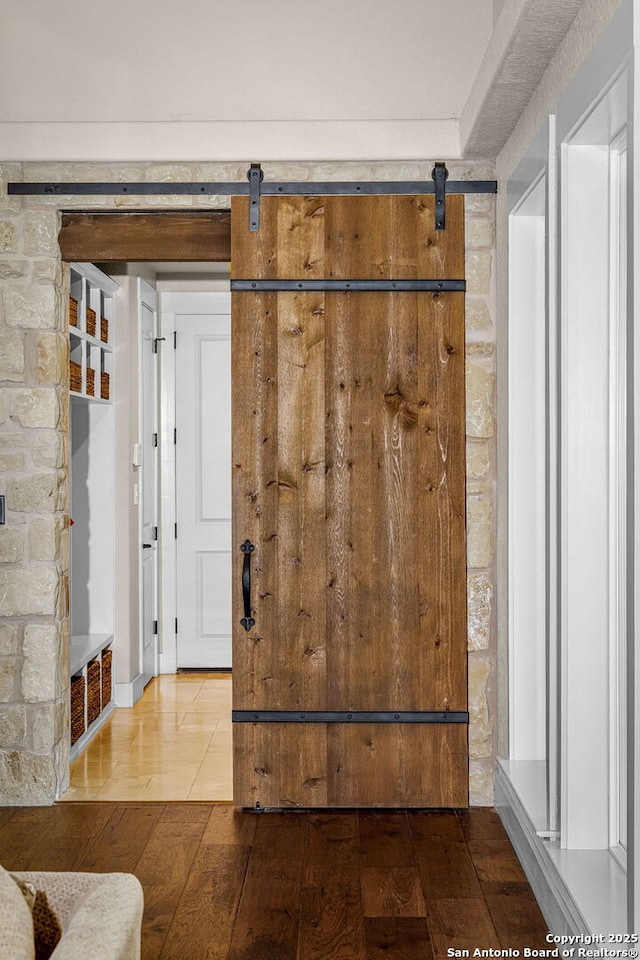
203, 482
148, 307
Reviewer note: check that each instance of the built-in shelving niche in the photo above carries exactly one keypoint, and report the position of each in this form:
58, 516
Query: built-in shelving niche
91, 329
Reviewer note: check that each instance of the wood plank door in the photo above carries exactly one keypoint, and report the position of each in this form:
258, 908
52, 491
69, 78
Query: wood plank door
348, 460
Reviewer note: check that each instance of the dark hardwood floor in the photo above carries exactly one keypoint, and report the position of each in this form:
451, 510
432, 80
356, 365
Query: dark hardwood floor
350, 885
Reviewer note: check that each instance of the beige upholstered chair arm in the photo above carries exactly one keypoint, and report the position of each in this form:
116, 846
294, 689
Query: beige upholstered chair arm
98, 915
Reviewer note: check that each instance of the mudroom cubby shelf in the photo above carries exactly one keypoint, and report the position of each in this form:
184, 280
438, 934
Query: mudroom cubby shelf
91, 318
92, 498
91, 688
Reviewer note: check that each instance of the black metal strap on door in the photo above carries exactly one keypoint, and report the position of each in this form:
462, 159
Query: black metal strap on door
350, 716
257, 187
437, 286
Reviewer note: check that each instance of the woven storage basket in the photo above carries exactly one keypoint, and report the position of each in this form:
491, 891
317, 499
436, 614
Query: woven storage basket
75, 376
94, 690
107, 657
104, 385
104, 329
91, 322
91, 382
73, 312
77, 708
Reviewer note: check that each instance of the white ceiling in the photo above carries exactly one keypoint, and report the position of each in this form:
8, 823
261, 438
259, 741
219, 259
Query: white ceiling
248, 60
230, 80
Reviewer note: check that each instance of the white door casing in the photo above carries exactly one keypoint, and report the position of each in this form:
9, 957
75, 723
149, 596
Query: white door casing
203, 482
148, 511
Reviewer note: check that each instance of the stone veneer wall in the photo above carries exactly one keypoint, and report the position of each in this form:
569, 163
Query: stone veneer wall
34, 451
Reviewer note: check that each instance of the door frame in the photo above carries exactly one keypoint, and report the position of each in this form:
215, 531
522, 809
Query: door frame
168, 251
141, 292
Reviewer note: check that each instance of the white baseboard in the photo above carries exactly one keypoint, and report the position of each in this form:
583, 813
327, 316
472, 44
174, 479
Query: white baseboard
167, 662
126, 694
558, 906
579, 891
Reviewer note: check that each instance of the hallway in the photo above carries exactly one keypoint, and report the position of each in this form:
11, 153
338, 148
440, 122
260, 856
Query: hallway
350, 885
174, 744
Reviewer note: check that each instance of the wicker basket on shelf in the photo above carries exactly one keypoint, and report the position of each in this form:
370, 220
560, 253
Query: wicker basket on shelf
75, 376
77, 708
107, 658
94, 690
104, 385
104, 329
73, 312
91, 382
91, 322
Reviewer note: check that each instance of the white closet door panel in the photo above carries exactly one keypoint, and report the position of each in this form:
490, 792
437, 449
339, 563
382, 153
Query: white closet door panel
203, 485
214, 588
213, 471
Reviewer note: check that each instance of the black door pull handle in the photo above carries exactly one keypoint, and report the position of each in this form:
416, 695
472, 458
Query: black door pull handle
247, 548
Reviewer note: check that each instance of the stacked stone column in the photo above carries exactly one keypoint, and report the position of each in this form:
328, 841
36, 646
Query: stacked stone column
481, 482
34, 643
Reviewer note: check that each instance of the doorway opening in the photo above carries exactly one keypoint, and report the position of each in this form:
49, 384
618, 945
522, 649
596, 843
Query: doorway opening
361, 431
172, 739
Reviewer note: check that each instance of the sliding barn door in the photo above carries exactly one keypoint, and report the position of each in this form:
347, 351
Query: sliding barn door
349, 678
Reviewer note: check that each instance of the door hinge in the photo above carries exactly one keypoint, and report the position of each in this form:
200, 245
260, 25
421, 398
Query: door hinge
175, 435
155, 439
175, 339
155, 533
175, 531
155, 627
176, 624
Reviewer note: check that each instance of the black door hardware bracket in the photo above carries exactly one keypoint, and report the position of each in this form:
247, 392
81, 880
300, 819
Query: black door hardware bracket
247, 621
440, 175
255, 176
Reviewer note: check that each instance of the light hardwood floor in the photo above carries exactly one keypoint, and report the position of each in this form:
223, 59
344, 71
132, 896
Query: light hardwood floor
174, 744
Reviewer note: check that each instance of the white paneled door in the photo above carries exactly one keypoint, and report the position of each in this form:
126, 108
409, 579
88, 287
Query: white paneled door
203, 481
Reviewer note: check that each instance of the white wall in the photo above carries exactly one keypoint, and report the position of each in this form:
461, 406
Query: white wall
588, 26
595, 46
127, 607
525, 38
198, 79
497, 8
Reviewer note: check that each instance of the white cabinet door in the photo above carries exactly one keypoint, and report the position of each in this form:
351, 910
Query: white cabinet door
147, 300
203, 484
